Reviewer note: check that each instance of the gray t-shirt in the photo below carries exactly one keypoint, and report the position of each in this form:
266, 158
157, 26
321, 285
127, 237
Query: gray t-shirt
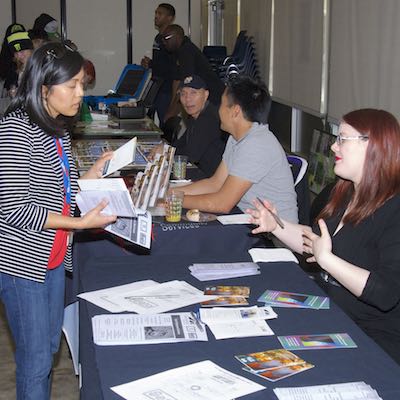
259, 158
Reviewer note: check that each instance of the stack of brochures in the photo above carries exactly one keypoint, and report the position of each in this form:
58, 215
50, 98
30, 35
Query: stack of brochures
237, 322
320, 341
350, 390
129, 329
228, 296
275, 298
209, 272
273, 364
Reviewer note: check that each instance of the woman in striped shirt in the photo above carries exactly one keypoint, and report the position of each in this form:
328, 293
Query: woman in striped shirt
37, 202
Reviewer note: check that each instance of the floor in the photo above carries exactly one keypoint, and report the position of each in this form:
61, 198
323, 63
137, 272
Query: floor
65, 383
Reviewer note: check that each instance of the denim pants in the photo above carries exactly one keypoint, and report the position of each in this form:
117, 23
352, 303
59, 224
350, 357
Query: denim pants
35, 315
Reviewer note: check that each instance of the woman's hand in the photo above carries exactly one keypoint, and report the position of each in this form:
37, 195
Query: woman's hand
96, 170
94, 218
262, 217
318, 246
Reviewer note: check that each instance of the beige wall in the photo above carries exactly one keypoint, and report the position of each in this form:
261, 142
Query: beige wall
5, 17
27, 10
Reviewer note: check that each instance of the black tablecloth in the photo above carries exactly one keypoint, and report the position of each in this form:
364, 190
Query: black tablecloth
106, 366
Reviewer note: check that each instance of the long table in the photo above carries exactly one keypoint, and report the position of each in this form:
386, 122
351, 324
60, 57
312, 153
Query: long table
117, 128
103, 367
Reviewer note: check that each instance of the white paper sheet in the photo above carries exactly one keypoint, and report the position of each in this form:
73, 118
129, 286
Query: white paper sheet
212, 271
122, 157
234, 219
114, 190
236, 314
199, 381
101, 298
130, 329
272, 255
161, 298
341, 391
253, 327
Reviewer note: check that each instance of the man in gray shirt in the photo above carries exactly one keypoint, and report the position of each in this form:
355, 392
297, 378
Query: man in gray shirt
254, 163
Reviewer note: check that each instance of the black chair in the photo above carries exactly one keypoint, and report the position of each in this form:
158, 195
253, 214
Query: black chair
299, 170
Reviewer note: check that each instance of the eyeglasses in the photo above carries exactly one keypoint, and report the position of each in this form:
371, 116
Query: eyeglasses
60, 51
167, 37
341, 139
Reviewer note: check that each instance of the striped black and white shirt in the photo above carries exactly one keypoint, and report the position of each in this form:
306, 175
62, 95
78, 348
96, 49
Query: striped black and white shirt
31, 186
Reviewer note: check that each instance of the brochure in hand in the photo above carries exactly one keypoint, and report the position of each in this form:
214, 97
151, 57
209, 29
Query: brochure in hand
277, 298
320, 341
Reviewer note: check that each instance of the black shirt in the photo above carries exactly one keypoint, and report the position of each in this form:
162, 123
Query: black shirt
163, 64
191, 61
203, 141
373, 244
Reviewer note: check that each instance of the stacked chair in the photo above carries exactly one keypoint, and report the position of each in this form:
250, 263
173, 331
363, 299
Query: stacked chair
243, 59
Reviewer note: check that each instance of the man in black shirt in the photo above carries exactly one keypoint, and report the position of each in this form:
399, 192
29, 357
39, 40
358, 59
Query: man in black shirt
203, 141
190, 61
162, 63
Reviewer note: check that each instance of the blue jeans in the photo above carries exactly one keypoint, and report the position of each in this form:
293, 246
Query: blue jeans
35, 315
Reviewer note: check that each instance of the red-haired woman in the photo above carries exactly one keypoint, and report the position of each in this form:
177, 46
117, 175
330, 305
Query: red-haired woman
356, 240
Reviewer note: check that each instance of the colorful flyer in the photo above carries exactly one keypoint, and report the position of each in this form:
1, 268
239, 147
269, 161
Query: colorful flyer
243, 291
276, 298
270, 359
283, 372
226, 301
320, 341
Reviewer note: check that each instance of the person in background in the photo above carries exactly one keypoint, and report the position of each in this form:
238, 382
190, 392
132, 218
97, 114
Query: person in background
38, 185
202, 141
356, 237
45, 27
254, 163
16, 49
162, 62
189, 61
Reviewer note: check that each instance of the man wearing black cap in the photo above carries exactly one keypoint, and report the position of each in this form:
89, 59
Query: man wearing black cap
203, 141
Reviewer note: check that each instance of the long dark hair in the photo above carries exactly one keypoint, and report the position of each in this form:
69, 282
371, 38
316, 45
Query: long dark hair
51, 64
381, 175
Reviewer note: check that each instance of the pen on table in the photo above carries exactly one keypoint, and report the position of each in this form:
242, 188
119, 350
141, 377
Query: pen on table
197, 321
276, 218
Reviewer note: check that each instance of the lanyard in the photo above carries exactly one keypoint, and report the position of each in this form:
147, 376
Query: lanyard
65, 168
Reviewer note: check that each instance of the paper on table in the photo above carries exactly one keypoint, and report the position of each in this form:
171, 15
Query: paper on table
184, 383
212, 271
161, 298
122, 157
101, 298
234, 219
237, 314
272, 255
350, 390
245, 328
130, 329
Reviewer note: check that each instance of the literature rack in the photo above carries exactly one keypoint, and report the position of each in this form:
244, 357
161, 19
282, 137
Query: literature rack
321, 161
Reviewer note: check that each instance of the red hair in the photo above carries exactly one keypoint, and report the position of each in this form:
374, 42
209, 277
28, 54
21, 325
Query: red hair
381, 173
